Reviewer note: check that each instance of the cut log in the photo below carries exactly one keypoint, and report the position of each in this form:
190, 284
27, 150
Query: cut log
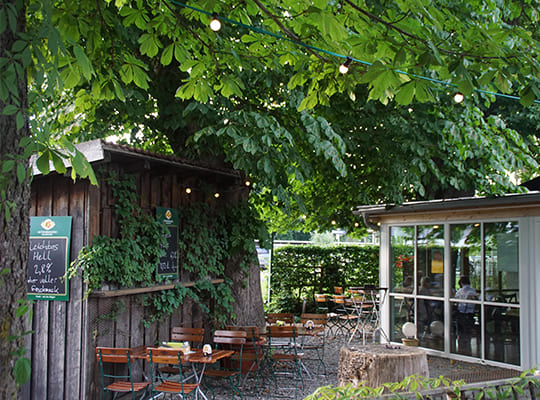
374, 365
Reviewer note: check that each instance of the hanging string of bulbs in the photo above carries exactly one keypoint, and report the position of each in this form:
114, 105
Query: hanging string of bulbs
216, 23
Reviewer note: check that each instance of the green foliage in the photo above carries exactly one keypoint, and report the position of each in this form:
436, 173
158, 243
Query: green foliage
131, 258
300, 271
413, 386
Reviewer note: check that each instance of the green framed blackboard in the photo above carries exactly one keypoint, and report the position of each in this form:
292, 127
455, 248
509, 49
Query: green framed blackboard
168, 264
48, 258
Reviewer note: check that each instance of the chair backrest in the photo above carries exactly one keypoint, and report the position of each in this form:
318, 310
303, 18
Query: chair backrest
274, 331
230, 337
338, 290
193, 335
113, 354
251, 330
320, 298
339, 298
318, 319
273, 318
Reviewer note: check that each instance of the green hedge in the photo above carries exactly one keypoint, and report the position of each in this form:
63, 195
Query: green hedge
300, 271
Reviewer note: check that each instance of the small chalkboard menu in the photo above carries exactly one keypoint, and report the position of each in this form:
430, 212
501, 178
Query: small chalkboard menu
48, 259
168, 264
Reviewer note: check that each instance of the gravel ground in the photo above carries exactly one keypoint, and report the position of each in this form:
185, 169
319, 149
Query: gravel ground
454, 370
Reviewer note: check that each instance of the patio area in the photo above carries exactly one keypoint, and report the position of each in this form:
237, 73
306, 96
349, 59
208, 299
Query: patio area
454, 370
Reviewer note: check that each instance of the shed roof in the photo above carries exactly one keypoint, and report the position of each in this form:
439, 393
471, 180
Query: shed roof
99, 151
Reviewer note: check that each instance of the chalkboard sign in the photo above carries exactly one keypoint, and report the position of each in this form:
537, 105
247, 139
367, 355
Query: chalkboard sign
48, 258
168, 264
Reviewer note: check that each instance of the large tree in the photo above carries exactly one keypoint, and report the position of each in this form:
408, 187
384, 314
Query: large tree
264, 94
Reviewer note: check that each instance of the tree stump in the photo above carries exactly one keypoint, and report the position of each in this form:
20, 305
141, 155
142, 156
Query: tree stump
374, 365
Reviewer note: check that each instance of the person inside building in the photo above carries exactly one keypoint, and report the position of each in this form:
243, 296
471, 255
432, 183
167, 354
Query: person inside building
465, 315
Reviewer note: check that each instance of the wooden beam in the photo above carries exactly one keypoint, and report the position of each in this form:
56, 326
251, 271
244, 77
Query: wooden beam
127, 292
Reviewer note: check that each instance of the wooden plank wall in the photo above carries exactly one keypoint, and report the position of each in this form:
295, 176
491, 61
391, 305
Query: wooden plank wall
55, 347
62, 348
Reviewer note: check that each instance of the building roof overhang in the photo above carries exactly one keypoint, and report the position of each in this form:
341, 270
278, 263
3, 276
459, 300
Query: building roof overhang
447, 206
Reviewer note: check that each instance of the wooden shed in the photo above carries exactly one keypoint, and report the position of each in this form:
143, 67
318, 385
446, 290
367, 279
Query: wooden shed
429, 250
65, 333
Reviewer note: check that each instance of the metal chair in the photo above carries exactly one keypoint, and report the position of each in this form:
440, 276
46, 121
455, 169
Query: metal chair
195, 337
176, 387
315, 343
118, 382
229, 340
283, 356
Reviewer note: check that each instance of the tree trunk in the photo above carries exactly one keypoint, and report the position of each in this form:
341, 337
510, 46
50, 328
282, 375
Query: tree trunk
14, 224
377, 364
248, 304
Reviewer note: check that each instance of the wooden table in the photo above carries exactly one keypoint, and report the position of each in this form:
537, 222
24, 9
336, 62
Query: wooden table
197, 357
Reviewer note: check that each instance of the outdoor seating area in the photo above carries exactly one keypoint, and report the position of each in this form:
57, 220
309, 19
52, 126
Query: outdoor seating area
280, 361
239, 361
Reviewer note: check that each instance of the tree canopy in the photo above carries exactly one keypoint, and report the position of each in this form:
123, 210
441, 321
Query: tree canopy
265, 93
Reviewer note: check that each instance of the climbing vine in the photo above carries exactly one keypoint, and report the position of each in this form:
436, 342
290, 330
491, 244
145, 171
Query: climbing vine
208, 239
129, 259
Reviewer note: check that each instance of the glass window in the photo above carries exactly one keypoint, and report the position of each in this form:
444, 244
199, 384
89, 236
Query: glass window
430, 254
466, 272
501, 260
402, 259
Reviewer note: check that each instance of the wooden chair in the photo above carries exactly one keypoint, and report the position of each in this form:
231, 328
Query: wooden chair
281, 356
286, 318
322, 302
346, 317
119, 383
169, 357
315, 343
253, 354
229, 340
195, 337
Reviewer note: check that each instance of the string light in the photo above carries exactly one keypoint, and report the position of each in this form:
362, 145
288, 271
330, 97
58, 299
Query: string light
458, 97
247, 183
188, 190
215, 23
216, 195
333, 222
317, 49
344, 68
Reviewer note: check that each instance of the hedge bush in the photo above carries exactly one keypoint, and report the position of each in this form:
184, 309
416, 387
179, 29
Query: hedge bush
300, 271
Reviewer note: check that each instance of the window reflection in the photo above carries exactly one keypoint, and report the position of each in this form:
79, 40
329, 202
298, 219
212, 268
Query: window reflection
402, 259
483, 317
501, 260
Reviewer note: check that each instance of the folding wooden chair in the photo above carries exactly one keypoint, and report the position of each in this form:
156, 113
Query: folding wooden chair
195, 337
253, 354
282, 356
176, 387
118, 382
229, 340
315, 342
346, 318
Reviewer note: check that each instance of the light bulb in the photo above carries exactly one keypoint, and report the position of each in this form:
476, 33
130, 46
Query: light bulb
188, 190
247, 182
458, 97
344, 68
215, 24
216, 195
